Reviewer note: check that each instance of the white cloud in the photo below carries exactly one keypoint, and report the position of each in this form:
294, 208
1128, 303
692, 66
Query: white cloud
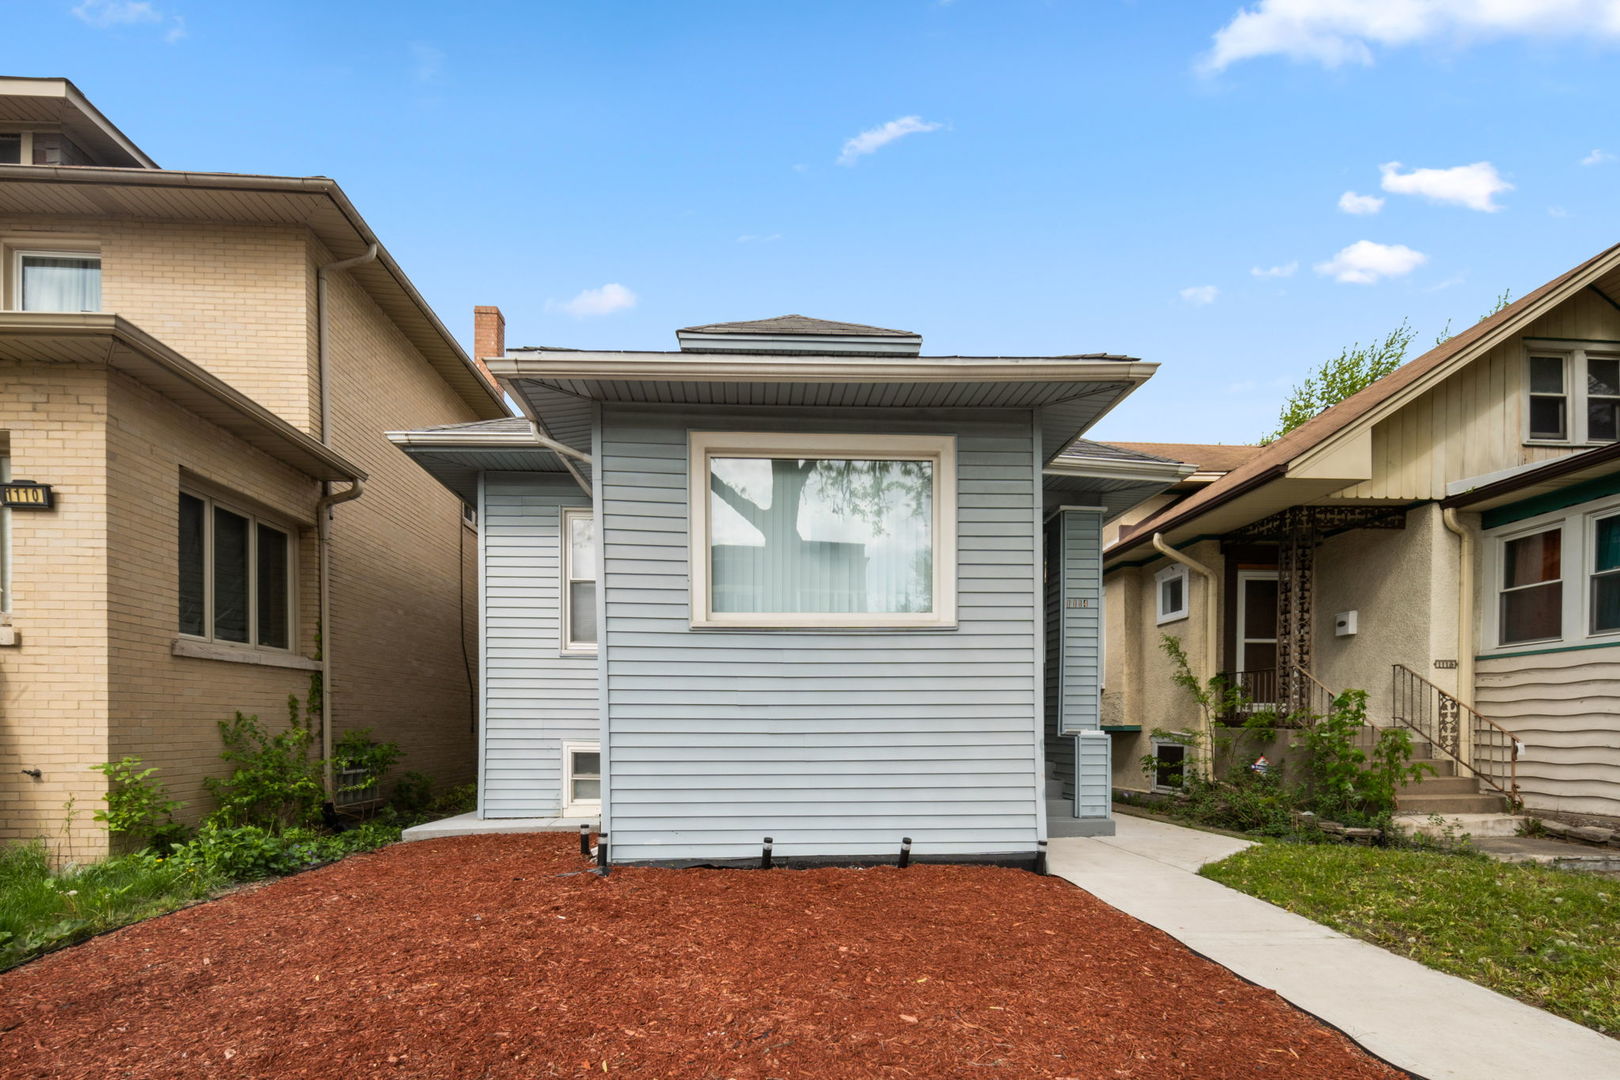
1285, 270
1473, 186
177, 29
1597, 157
1364, 262
1351, 203
604, 301
1200, 295
104, 13
427, 61
874, 139
1337, 32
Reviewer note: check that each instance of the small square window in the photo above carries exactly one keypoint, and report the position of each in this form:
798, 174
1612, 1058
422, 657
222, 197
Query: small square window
58, 281
1171, 586
10, 148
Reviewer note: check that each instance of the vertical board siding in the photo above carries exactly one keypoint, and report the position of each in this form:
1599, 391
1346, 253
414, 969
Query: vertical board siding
1473, 423
1082, 620
534, 698
1565, 708
834, 742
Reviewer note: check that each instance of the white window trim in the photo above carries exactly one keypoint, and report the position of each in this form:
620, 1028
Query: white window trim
565, 557
1574, 355
938, 449
254, 521
1159, 742
1159, 579
580, 807
16, 252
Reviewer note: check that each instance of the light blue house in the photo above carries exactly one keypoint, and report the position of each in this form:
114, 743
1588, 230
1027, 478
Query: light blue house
796, 581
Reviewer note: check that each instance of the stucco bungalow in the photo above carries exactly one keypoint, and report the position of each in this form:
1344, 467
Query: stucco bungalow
1440, 540
794, 580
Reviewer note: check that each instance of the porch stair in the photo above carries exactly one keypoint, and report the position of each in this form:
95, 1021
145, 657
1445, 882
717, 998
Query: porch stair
1443, 791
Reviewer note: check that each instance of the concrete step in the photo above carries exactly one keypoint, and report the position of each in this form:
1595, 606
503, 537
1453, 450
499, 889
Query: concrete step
1461, 824
1442, 766
1450, 804
1441, 785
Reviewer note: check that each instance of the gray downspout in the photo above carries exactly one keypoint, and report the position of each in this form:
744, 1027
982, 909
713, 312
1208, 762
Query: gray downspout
329, 499
1211, 644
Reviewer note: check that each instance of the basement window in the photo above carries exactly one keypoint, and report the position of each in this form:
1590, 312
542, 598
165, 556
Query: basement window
582, 780
235, 576
1169, 764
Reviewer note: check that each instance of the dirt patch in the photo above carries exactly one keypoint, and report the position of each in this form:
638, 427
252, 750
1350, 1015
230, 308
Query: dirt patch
494, 957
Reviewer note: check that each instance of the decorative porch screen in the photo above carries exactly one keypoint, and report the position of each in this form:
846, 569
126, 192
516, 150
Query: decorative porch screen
821, 535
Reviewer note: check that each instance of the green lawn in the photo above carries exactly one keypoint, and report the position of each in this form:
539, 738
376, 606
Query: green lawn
1547, 937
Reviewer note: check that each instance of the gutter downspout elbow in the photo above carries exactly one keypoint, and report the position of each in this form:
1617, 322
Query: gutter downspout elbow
1465, 605
1211, 645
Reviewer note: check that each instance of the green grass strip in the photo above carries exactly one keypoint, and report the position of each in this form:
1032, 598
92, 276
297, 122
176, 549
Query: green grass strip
1550, 938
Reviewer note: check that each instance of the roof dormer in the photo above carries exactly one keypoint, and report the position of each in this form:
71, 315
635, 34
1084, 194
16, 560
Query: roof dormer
799, 334
49, 122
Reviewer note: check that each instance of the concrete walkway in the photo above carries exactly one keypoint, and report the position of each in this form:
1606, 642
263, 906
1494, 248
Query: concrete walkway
1436, 1026
471, 824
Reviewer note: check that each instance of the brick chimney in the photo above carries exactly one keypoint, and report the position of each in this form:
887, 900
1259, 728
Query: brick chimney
489, 335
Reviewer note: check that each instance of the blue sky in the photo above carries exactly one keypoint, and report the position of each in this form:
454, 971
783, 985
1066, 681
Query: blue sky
1093, 175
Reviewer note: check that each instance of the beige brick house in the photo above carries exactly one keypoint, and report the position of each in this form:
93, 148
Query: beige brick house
201, 366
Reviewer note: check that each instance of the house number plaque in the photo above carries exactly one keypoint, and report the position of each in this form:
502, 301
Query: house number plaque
27, 495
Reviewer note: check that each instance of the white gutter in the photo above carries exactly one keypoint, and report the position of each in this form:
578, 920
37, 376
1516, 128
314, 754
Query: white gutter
495, 440
765, 367
1206, 762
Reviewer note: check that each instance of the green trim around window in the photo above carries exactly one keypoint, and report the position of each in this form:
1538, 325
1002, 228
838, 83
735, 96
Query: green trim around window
1556, 648
1575, 494
1121, 727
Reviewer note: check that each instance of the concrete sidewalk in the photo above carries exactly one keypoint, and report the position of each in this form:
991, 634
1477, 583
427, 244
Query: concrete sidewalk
1436, 1026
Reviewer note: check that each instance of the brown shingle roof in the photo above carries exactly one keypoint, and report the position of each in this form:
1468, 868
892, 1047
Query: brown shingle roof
796, 324
1209, 457
1276, 456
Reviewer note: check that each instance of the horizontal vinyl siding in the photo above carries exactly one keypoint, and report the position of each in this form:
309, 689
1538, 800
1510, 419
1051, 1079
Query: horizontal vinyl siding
534, 698
1565, 708
1059, 748
833, 743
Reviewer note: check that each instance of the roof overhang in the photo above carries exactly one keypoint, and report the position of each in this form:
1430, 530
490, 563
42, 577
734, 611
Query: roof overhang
799, 344
1115, 484
455, 458
57, 103
1069, 393
1530, 481
314, 202
93, 338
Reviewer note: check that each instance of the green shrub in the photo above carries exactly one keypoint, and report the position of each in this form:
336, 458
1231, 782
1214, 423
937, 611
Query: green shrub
1341, 785
357, 750
138, 807
461, 799
274, 783
240, 852
413, 793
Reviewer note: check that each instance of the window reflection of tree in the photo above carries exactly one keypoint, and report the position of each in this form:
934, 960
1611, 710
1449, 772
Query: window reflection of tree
873, 492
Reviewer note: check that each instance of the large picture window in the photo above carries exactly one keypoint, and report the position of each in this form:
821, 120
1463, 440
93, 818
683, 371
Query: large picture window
579, 564
823, 530
1532, 591
235, 576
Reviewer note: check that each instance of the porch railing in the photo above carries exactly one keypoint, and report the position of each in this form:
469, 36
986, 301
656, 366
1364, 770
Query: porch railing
1264, 688
1480, 745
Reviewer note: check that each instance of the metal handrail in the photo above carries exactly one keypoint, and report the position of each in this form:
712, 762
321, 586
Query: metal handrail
1439, 726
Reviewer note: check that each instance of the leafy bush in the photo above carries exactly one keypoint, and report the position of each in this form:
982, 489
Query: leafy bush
239, 852
139, 807
1253, 803
413, 793
41, 910
359, 752
275, 783
1341, 785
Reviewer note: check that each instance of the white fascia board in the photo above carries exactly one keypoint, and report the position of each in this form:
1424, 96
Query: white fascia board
1167, 472
494, 440
763, 367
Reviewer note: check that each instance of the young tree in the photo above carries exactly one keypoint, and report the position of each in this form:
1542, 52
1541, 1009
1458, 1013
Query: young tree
1354, 368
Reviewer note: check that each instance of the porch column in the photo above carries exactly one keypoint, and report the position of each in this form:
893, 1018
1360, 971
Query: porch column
1296, 560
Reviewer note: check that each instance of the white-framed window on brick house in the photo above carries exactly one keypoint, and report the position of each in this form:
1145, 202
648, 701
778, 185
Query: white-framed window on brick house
1170, 592
578, 586
15, 148
1572, 395
822, 531
55, 280
582, 779
235, 575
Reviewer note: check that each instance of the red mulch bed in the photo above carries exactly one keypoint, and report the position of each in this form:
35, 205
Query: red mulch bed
473, 958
